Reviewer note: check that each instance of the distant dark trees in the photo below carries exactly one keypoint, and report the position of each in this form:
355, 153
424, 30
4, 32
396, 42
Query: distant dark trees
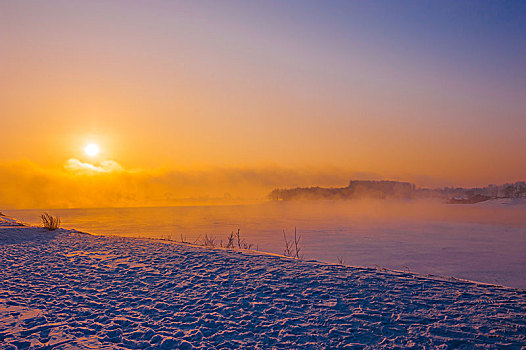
356, 189
516, 190
400, 190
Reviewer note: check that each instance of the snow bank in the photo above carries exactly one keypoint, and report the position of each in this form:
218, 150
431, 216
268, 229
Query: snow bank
67, 289
7, 221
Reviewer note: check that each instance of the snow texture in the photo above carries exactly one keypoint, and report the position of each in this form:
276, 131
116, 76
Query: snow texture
66, 289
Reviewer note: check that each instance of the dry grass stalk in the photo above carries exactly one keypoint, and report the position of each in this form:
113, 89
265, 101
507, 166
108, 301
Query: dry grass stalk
209, 241
230, 243
297, 245
292, 248
238, 239
288, 251
50, 222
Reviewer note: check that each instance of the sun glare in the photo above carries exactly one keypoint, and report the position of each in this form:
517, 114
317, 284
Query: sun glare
92, 150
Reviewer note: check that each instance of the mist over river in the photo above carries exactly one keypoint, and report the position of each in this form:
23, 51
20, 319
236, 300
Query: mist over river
483, 242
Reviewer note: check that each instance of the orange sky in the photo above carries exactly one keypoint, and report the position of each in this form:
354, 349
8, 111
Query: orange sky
192, 87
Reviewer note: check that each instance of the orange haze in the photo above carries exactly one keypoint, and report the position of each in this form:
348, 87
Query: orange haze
199, 100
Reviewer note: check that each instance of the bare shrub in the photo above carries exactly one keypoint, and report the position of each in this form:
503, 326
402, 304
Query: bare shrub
182, 239
50, 222
238, 239
235, 238
230, 243
288, 251
292, 248
208, 241
297, 245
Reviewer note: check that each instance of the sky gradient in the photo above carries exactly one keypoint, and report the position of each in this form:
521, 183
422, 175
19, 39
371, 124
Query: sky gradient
432, 92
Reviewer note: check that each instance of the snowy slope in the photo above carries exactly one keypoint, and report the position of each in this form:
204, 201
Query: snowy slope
66, 289
8, 221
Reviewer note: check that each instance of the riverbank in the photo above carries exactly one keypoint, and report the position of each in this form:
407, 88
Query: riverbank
66, 289
480, 242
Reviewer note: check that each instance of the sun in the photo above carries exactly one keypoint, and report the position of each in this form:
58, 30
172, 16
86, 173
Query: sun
92, 149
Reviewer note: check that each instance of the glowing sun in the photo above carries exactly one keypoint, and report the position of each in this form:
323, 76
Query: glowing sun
91, 150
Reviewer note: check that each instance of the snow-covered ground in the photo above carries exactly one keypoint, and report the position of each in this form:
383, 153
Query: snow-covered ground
65, 289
